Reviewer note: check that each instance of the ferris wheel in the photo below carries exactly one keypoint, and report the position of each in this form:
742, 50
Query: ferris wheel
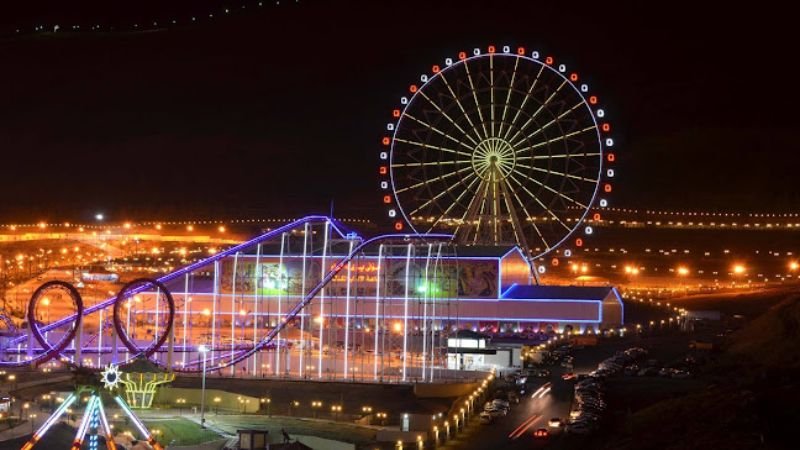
501, 146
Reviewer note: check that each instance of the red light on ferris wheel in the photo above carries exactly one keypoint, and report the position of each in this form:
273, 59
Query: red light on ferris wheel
398, 226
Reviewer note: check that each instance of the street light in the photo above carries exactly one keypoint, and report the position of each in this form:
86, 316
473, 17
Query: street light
203, 351
315, 405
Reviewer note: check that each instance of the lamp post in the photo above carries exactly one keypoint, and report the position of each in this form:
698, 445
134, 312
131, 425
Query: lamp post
315, 405
203, 350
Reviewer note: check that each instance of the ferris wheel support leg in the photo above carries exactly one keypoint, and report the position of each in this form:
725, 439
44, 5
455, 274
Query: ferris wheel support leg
534, 273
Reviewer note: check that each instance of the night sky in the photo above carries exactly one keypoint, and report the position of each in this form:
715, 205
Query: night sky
279, 110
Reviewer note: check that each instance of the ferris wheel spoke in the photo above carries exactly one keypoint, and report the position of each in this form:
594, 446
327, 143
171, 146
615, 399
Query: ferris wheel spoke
456, 202
524, 100
460, 106
439, 178
433, 128
435, 163
536, 113
555, 172
548, 124
433, 147
527, 214
508, 97
564, 196
475, 97
439, 195
563, 155
491, 94
535, 198
482, 206
557, 139
446, 116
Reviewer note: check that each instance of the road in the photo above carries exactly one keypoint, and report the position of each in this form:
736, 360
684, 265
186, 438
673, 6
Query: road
536, 408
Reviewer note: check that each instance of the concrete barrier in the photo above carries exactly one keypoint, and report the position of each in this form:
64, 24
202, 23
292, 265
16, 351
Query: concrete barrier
228, 401
444, 390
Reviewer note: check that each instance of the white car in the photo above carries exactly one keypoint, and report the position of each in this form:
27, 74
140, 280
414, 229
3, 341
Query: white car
555, 422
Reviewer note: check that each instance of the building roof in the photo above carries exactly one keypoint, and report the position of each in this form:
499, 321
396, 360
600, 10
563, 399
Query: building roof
588, 293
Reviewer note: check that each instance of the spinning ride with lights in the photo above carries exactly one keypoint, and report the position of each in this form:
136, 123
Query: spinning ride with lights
94, 421
503, 146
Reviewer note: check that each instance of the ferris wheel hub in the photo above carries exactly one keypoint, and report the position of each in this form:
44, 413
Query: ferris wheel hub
494, 157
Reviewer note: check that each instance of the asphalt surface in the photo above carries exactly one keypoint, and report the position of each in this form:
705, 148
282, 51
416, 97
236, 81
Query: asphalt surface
536, 408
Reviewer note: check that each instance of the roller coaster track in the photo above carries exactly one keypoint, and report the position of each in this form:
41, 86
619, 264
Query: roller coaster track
242, 354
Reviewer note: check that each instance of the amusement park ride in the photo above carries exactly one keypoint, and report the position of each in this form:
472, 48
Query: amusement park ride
496, 154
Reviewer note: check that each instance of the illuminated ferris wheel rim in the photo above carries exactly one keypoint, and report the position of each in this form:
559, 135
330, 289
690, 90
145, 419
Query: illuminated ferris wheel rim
582, 92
